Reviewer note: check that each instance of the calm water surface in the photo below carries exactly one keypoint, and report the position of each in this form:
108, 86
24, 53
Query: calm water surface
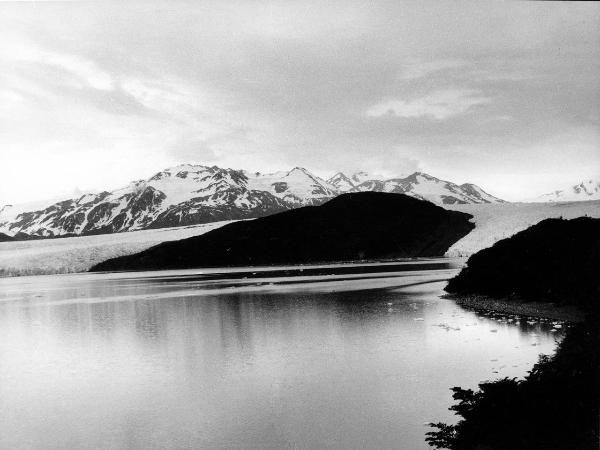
245, 358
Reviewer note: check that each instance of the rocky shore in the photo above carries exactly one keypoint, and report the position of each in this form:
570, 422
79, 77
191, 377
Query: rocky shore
541, 310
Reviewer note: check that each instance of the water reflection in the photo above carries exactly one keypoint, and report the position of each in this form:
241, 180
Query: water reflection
125, 362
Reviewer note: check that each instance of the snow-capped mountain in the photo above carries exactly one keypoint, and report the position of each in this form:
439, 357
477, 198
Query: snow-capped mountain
298, 186
361, 177
192, 194
586, 190
341, 182
419, 185
182, 195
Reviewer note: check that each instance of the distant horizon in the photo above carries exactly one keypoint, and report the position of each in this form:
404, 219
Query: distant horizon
76, 192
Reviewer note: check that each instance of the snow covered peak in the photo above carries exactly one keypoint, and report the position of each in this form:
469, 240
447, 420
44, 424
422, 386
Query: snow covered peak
586, 190
426, 187
182, 171
417, 177
188, 167
361, 177
341, 182
299, 169
191, 193
297, 186
187, 181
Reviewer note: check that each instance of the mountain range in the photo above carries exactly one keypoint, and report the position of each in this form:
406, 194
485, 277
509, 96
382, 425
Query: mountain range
586, 190
191, 194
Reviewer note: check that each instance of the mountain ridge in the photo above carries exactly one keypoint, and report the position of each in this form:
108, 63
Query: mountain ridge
189, 194
583, 191
419, 185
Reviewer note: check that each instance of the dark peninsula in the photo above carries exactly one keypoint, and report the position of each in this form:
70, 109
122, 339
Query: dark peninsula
351, 227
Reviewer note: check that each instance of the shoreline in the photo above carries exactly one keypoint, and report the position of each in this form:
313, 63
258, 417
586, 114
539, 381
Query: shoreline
454, 263
540, 310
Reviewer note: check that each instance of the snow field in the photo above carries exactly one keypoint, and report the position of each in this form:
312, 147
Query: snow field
78, 254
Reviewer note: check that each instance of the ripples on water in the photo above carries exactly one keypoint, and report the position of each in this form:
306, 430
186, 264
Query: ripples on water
245, 358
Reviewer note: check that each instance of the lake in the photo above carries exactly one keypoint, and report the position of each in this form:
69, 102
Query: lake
334, 356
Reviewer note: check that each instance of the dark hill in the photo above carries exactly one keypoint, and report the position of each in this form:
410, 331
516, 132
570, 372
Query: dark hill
5, 238
357, 226
556, 260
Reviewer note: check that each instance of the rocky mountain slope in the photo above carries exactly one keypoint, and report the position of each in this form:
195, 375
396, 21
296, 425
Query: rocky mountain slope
419, 185
351, 227
194, 194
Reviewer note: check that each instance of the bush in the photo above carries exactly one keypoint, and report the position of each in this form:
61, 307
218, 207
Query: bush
554, 407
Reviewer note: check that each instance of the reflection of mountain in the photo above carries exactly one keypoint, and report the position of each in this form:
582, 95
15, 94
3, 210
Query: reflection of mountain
358, 226
194, 194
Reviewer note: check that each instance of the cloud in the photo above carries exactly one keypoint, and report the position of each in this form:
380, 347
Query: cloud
86, 89
438, 105
82, 70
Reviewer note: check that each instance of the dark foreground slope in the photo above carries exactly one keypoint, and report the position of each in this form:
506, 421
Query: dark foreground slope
358, 226
557, 405
556, 260
554, 408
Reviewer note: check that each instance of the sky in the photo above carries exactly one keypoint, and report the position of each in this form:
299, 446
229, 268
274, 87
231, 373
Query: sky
94, 95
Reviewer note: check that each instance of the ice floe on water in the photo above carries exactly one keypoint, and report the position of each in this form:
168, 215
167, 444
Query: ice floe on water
447, 327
